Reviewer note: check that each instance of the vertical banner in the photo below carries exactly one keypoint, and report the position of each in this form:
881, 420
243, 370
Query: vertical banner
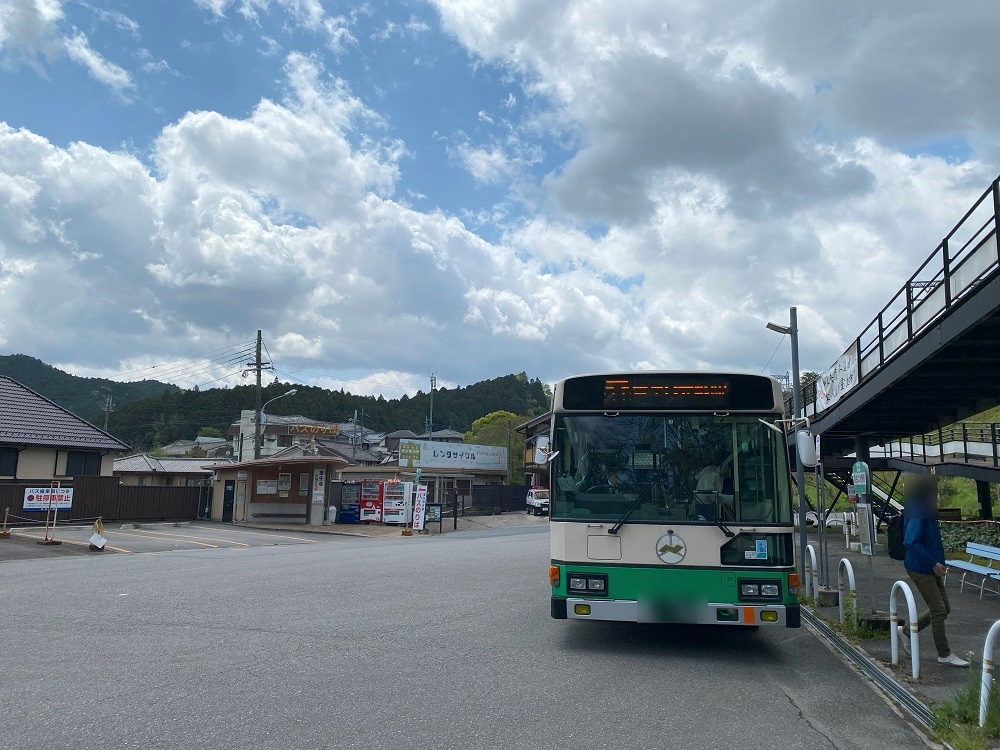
420, 508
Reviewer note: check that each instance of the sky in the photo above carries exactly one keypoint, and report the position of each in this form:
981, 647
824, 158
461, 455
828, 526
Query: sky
476, 187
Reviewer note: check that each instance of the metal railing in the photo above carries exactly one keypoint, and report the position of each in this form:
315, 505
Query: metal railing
968, 255
969, 442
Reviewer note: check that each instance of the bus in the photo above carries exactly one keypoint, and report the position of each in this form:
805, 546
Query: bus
670, 500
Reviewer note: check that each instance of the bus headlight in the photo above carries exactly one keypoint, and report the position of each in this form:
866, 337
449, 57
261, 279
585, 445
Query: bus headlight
594, 584
760, 589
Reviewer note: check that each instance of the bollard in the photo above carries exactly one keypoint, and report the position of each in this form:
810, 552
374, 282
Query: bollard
986, 683
812, 574
5, 534
911, 607
845, 564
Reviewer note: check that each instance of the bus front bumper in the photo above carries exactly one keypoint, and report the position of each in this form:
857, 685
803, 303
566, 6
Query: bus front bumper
619, 610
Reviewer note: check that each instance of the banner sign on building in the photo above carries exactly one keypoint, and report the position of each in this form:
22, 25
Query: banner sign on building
839, 380
38, 498
428, 454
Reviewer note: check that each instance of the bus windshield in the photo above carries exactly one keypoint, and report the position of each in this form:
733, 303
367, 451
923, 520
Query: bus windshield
677, 468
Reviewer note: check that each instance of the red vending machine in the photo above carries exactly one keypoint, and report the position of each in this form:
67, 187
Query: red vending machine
371, 500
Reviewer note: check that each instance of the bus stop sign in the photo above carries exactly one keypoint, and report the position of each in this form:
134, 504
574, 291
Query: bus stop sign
862, 480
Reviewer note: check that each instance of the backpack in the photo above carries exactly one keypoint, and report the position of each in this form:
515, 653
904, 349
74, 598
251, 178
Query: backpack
894, 535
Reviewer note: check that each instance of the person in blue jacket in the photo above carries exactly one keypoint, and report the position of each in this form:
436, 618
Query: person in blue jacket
924, 561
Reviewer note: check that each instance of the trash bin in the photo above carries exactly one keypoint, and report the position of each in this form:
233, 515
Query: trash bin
331, 514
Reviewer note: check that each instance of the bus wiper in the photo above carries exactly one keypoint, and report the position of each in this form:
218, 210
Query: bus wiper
725, 529
628, 512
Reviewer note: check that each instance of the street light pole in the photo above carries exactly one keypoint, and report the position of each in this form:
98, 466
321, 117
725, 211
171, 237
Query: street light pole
260, 418
792, 331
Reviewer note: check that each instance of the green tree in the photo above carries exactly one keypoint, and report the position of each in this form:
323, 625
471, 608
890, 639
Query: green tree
210, 432
497, 428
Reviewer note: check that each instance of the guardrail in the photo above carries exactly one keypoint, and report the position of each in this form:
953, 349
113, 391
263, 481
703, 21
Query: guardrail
911, 611
967, 255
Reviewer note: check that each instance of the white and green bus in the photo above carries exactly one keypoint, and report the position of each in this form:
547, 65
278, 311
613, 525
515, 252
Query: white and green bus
671, 500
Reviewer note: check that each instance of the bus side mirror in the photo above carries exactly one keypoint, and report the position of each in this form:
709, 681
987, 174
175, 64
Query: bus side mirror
805, 444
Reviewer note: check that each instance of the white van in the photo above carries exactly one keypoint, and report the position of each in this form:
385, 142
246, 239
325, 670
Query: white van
538, 501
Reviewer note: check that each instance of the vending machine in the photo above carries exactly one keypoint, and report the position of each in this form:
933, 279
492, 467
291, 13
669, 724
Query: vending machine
350, 502
371, 500
397, 502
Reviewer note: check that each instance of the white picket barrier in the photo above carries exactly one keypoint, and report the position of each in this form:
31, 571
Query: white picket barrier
845, 565
987, 679
911, 608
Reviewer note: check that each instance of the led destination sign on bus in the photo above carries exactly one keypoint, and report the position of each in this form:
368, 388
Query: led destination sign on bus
667, 391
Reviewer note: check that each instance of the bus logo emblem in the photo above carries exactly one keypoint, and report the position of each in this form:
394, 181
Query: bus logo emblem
671, 548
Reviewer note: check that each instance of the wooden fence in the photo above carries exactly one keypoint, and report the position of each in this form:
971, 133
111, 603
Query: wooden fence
108, 498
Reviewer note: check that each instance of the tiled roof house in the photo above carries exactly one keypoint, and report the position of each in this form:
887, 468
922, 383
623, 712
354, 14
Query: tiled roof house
41, 441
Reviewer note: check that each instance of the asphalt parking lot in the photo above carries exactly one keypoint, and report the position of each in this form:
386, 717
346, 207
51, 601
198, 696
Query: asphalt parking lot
145, 538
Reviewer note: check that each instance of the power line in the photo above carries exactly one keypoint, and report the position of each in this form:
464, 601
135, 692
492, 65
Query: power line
245, 347
780, 342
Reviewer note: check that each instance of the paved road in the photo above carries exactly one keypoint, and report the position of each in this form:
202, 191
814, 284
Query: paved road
439, 642
154, 537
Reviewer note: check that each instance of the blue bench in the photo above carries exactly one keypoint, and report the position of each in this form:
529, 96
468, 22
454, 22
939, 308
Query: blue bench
988, 572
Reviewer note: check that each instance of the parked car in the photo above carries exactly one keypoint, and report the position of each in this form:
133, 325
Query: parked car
538, 501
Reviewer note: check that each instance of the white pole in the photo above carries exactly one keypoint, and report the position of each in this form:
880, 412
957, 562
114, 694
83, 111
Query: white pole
845, 564
812, 572
911, 607
986, 683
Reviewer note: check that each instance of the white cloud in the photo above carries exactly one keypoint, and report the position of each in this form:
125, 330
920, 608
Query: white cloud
100, 69
307, 14
31, 31
683, 175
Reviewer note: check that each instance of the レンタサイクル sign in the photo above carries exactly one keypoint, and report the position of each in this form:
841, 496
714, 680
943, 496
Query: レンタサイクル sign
428, 454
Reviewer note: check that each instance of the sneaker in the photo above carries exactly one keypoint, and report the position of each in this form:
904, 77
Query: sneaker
953, 661
904, 639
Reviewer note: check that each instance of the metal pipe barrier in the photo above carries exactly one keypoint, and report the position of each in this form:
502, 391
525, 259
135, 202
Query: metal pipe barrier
811, 573
5, 534
911, 607
986, 683
845, 564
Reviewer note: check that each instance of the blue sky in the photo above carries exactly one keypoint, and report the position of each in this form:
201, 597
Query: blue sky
474, 187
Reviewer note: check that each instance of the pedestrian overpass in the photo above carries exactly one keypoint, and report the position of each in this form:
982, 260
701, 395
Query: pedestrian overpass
929, 359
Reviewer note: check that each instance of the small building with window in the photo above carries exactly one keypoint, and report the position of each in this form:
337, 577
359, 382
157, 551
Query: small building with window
41, 442
143, 470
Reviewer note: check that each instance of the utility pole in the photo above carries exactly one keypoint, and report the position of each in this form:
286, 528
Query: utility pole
258, 364
108, 408
508, 452
430, 427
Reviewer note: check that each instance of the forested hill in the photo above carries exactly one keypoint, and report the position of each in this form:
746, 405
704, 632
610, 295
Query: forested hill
180, 415
85, 397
